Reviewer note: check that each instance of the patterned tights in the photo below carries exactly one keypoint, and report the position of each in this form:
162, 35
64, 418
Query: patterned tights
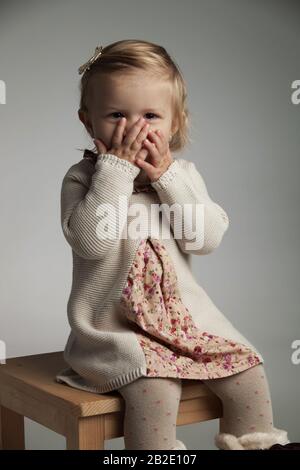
151, 407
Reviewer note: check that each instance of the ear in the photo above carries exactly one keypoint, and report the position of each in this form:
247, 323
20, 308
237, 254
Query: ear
83, 116
174, 127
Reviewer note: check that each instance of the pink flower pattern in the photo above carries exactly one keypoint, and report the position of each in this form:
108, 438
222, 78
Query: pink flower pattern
173, 345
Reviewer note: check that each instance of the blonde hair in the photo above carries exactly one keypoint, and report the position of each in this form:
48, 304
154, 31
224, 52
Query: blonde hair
128, 54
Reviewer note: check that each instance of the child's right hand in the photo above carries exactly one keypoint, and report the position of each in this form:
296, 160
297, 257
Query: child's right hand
128, 147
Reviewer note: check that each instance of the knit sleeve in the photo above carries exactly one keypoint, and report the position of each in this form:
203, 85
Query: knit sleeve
198, 223
93, 216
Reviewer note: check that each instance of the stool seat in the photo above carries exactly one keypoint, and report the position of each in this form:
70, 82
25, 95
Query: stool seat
28, 388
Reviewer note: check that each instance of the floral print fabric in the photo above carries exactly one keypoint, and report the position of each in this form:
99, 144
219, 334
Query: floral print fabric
173, 345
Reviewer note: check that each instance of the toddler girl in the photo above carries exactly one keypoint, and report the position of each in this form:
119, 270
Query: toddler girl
140, 323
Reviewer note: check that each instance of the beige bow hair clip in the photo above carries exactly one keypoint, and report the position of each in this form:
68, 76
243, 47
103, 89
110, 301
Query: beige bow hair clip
86, 66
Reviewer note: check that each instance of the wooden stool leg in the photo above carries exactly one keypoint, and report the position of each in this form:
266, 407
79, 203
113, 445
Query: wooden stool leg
86, 433
11, 430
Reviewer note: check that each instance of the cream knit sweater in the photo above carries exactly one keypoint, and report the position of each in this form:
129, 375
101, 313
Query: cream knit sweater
103, 354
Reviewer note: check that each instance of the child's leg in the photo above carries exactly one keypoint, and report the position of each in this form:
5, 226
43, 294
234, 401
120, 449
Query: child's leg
246, 401
151, 407
247, 421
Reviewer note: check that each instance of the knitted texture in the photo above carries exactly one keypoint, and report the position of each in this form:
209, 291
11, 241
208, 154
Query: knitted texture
102, 353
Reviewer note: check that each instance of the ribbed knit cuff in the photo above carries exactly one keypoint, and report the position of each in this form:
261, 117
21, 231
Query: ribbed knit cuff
165, 179
118, 163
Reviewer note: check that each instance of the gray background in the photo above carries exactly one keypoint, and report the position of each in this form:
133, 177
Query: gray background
239, 59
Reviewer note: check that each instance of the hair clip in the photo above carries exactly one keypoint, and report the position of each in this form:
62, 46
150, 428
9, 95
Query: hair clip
86, 66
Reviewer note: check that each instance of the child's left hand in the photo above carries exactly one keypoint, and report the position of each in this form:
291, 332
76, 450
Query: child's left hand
160, 155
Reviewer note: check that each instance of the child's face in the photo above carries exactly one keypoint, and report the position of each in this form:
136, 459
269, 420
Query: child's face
131, 95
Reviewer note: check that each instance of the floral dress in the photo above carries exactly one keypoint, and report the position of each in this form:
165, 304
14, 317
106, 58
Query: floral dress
173, 345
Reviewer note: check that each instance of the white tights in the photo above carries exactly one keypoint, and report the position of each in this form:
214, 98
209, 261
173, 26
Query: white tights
151, 407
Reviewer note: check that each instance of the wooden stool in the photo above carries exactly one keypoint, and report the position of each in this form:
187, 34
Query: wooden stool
28, 388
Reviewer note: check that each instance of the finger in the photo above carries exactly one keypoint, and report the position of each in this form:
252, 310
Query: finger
100, 146
156, 145
143, 153
117, 136
151, 147
159, 135
149, 169
154, 137
164, 142
143, 133
134, 131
